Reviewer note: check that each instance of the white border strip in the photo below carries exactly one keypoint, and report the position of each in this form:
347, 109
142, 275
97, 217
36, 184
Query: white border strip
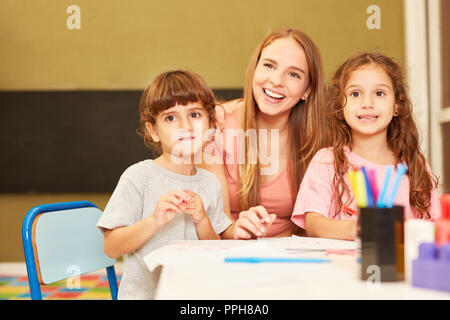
416, 65
437, 115
443, 116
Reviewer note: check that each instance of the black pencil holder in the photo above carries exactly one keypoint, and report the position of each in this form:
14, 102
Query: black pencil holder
382, 243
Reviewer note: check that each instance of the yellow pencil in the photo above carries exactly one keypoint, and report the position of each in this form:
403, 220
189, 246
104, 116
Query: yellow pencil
352, 179
361, 187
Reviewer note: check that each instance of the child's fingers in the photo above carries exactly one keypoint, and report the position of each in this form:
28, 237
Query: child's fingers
168, 206
190, 193
193, 196
181, 195
175, 202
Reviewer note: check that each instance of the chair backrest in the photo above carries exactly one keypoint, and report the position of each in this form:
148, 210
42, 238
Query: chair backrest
60, 241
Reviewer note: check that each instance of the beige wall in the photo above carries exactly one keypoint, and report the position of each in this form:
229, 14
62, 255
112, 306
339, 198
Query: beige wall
123, 44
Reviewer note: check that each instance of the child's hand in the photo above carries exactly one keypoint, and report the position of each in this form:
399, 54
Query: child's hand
169, 205
194, 206
254, 222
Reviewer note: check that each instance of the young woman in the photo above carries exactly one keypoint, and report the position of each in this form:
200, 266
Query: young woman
275, 131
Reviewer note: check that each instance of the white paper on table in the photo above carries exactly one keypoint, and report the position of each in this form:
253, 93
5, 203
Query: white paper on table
209, 252
197, 264
310, 243
184, 252
260, 248
189, 252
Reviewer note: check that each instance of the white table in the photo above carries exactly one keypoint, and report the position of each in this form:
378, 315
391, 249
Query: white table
197, 271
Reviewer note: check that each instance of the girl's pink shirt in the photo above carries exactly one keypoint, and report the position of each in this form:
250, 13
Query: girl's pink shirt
316, 190
275, 196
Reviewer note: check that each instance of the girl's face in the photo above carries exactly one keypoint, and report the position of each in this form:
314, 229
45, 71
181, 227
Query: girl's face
370, 101
181, 129
281, 77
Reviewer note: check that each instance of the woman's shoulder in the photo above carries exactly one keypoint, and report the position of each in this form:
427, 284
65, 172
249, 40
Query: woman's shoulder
233, 111
232, 105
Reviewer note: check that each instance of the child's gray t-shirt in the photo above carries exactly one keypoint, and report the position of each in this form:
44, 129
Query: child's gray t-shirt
135, 197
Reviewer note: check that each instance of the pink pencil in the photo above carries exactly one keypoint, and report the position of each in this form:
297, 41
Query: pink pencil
373, 184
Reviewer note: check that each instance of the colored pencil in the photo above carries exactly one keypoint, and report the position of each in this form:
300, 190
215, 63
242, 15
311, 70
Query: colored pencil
401, 170
368, 187
274, 260
381, 202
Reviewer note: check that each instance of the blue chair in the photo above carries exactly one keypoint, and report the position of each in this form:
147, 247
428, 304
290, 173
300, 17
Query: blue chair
59, 238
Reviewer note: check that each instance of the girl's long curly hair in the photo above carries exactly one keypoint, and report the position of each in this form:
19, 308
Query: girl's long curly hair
402, 133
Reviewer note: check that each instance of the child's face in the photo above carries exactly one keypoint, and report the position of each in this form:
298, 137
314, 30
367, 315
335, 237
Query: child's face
370, 101
281, 77
181, 130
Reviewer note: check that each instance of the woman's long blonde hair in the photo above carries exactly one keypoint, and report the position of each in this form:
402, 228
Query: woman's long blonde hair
307, 124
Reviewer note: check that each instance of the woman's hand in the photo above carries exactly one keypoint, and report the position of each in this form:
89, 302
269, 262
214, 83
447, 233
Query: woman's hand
224, 109
253, 223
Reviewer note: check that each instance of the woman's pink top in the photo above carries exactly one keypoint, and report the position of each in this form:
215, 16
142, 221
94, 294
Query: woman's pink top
316, 189
275, 196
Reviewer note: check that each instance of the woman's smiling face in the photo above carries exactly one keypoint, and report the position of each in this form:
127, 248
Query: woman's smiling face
281, 77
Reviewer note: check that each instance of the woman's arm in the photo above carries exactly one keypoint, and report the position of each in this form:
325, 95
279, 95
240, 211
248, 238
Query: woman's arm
219, 170
319, 226
214, 163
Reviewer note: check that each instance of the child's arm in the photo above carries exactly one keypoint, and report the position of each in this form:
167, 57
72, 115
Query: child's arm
205, 230
229, 232
124, 240
203, 226
319, 226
